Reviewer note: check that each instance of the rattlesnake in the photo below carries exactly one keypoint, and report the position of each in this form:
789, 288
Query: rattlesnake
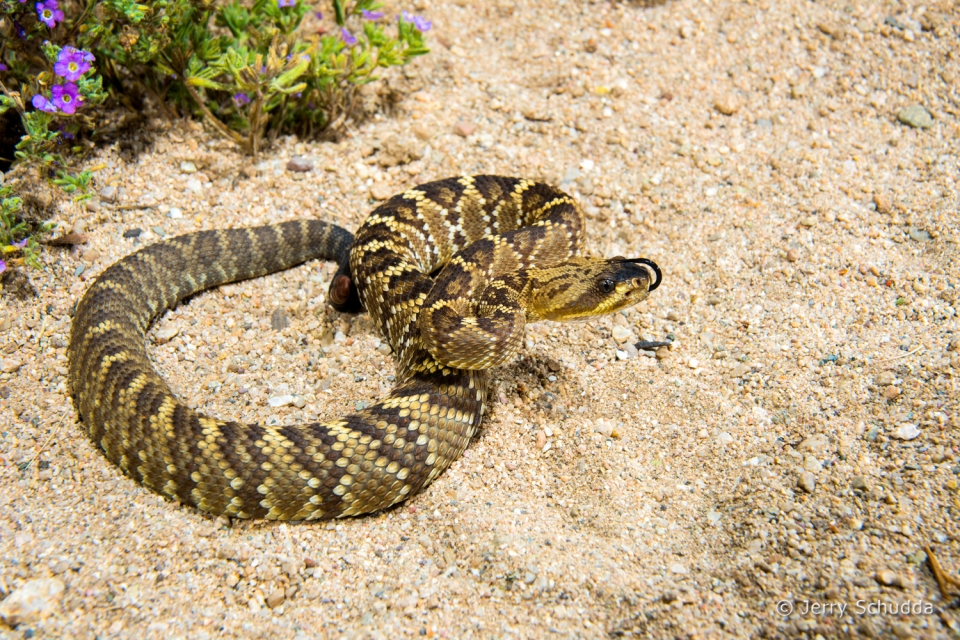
503, 250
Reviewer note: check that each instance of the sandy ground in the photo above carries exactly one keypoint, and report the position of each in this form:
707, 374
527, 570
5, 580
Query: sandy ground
798, 442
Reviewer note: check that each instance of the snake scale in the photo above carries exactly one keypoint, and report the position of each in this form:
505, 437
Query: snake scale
449, 271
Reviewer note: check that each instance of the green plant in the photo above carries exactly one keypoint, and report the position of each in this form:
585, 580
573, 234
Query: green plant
18, 240
252, 71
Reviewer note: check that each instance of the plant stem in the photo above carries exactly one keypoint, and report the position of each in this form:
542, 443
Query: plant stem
219, 126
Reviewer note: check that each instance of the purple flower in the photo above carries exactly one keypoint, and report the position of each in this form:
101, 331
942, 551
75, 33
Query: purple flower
41, 103
3, 67
21, 244
241, 99
3, 266
49, 13
371, 15
66, 98
347, 37
318, 14
71, 64
286, 3
420, 23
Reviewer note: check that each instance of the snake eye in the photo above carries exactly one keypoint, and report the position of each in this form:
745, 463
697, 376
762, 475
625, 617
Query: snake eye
607, 286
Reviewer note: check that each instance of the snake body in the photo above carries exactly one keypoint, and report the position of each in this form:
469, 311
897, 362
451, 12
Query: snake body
504, 250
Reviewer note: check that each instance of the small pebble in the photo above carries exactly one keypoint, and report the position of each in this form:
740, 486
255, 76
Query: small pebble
279, 320
32, 602
175, 213
90, 256
188, 167
276, 598
464, 128
793, 255
11, 365
915, 116
280, 401
382, 191
300, 164
727, 104
882, 203
108, 194
906, 431
860, 483
621, 334
891, 392
165, 334
132, 233
807, 481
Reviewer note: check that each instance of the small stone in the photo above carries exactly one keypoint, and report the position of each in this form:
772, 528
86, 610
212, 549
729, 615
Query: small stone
808, 221
860, 483
422, 132
727, 104
300, 164
108, 194
891, 392
276, 598
811, 464
132, 233
885, 378
194, 186
280, 401
725, 439
384, 348
906, 431
621, 334
793, 255
915, 116
11, 365
175, 213
188, 167
381, 191
166, 334
816, 442
79, 270
250, 171
669, 596
678, 568
663, 353
79, 227
90, 256
299, 402
33, 602
889, 578
920, 235
807, 481
464, 128
882, 203
279, 320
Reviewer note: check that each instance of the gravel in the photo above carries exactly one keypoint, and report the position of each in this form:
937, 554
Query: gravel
795, 277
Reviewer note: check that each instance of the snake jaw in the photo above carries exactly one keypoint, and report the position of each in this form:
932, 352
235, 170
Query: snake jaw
652, 269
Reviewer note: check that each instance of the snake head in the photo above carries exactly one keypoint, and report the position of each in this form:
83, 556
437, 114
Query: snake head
583, 288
